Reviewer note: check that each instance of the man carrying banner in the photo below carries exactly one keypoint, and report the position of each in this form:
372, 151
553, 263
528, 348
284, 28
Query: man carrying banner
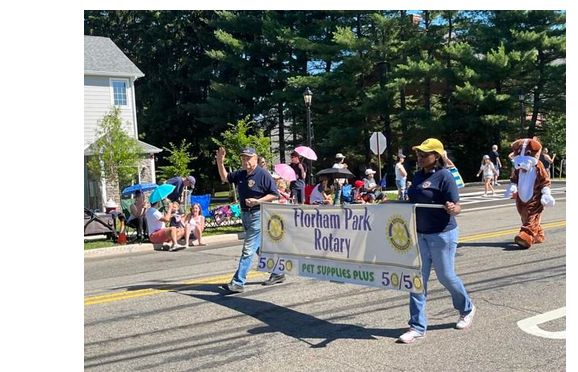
255, 186
437, 236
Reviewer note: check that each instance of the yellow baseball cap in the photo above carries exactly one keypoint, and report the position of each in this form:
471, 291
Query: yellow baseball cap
431, 145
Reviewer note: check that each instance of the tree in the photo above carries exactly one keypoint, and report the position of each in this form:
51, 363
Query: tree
116, 153
179, 160
239, 136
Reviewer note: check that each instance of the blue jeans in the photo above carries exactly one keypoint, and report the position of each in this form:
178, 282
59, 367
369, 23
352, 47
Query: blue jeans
252, 225
438, 250
297, 189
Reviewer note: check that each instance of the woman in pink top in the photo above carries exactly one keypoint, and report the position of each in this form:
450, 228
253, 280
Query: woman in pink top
194, 222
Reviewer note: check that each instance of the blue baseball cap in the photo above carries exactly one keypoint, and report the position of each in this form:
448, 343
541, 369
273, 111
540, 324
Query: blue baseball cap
249, 151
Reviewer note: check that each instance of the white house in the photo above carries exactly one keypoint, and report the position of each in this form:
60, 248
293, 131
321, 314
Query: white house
109, 78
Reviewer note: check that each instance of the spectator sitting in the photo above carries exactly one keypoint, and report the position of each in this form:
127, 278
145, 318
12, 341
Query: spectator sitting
194, 222
370, 186
158, 232
321, 193
137, 214
284, 196
359, 194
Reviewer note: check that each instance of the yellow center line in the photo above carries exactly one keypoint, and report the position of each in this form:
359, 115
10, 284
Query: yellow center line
127, 294
495, 234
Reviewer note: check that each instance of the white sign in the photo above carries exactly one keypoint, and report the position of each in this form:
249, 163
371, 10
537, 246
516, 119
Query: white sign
377, 143
372, 245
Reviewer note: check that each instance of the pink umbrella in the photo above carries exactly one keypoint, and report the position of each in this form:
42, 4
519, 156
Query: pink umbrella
306, 152
286, 172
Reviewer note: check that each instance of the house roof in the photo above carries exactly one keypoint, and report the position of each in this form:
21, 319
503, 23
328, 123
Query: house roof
145, 147
103, 57
148, 148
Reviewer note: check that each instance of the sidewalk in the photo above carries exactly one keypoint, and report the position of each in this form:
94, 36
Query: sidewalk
148, 247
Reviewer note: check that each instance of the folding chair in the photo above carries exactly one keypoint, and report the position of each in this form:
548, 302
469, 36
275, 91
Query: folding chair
204, 201
130, 231
236, 210
346, 193
222, 215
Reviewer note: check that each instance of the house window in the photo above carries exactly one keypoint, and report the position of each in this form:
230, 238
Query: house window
119, 95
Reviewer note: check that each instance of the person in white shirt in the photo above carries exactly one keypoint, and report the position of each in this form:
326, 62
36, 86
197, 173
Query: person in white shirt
489, 172
400, 177
370, 187
158, 232
339, 182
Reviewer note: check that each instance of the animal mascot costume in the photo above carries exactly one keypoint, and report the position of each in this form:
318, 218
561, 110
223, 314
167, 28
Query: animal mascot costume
530, 183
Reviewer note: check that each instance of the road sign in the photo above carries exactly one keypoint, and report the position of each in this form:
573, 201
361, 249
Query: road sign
377, 143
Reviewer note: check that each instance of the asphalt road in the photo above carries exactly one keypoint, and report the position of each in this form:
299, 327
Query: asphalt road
164, 311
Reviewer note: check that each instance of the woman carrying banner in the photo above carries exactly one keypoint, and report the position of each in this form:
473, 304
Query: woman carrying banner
437, 233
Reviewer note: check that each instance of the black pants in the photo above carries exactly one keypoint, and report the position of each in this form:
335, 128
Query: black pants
138, 224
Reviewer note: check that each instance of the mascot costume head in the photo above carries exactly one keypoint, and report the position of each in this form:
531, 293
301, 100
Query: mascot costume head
530, 185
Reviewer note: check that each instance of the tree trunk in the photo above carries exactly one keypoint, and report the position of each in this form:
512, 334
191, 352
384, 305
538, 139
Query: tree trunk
281, 133
537, 93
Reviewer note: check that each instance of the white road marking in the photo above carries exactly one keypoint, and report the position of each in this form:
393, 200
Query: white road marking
530, 325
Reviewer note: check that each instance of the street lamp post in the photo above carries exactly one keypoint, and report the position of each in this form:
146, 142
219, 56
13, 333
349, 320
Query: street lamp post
521, 98
307, 95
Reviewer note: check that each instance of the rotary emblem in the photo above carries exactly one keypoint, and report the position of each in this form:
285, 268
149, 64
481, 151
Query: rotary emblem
251, 183
275, 228
398, 234
417, 282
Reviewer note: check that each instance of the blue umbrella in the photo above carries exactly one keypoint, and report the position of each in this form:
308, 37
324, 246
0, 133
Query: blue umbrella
140, 187
161, 192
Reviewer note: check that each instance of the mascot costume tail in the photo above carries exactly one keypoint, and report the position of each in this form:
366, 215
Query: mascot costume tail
530, 185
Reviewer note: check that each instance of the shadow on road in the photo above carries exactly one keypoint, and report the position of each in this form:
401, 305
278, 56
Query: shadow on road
506, 246
299, 325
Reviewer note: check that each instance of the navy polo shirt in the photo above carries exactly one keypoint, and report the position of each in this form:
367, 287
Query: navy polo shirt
436, 187
179, 186
254, 185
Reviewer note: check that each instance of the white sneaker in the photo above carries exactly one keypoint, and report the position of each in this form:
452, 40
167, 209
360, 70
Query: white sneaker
176, 247
410, 336
497, 184
466, 320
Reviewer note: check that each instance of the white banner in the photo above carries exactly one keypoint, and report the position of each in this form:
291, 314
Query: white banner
373, 245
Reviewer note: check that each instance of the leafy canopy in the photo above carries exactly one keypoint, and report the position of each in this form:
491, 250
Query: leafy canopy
239, 136
116, 153
179, 160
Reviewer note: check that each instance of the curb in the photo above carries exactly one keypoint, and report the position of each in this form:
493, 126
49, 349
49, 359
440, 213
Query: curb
148, 247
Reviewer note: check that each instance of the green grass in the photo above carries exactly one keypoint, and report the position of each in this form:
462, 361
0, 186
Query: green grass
105, 243
221, 194
94, 244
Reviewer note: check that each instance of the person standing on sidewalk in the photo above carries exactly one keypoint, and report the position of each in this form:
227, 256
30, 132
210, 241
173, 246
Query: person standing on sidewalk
400, 176
297, 187
255, 186
180, 183
488, 173
437, 234
547, 161
495, 158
